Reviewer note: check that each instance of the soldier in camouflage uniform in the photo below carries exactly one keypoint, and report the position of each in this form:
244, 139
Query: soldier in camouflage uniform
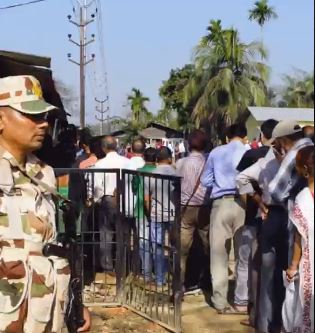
33, 288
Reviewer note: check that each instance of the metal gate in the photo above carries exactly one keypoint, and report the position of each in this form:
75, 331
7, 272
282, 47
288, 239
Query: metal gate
151, 210
128, 229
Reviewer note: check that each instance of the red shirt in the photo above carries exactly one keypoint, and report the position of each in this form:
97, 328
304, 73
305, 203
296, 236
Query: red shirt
88, 162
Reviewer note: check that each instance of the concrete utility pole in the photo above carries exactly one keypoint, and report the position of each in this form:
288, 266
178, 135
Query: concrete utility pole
82, 24
101, 110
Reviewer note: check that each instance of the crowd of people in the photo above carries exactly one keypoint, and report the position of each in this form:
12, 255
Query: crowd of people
256, 195
260, 197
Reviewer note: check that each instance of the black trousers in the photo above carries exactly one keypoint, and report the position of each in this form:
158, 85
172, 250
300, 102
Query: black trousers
274, 259
107, 227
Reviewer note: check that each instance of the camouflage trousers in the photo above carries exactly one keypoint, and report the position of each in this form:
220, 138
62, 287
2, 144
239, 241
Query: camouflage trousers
33, 292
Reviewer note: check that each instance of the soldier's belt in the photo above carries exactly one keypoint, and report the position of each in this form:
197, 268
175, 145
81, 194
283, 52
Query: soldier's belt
53, 250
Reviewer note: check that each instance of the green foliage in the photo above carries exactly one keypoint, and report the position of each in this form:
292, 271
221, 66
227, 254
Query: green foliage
227, 76
262, 13
298, 90
139, 118
140, 114
175, 113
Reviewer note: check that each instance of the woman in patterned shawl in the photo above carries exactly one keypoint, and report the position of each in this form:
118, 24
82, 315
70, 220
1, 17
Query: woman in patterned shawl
302, 265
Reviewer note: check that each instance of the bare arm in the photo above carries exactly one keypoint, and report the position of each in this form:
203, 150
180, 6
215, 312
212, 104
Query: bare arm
297, 255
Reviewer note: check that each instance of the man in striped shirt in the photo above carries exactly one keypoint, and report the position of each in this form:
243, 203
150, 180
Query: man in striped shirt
194, 197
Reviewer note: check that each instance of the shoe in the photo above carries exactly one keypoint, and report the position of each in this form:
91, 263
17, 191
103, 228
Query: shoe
195, 292
241, 308
162, 288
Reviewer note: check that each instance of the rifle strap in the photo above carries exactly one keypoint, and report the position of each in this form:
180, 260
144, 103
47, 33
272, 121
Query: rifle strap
51, 190
15, 230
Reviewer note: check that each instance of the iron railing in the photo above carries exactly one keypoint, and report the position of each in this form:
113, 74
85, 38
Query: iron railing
128, 229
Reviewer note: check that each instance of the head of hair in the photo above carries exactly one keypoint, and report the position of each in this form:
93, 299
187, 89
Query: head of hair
95, 146
150, 155
237, 131
267, 128
164, 154
85, 137
73, 132
295, 137
109, 143
305, 161
197, 140
138, 146
308, 132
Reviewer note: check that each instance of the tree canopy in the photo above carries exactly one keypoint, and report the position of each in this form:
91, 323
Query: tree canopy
225, 76
298, 90
172, 94
228, 75
139, 112
262, 13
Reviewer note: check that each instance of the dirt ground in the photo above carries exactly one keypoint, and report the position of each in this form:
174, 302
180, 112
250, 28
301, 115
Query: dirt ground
121, 321
197, 317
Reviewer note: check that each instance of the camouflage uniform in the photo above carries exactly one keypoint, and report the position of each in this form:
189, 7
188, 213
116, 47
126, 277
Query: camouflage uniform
33, 288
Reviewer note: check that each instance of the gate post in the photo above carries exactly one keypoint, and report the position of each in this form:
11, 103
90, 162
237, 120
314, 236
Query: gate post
178, 290
120, 241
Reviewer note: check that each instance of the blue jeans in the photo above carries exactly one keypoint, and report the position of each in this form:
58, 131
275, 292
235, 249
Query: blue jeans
241, 294
145, 252
158, 232
146, 258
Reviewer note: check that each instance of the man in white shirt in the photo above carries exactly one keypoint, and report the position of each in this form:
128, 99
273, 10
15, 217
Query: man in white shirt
136, 162
138, 148
105, 187
182, 149
255, 181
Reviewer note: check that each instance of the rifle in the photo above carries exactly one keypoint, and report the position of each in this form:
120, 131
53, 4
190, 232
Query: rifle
69, 250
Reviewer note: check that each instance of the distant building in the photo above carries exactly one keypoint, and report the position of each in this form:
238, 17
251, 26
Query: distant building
156, 133
260, 114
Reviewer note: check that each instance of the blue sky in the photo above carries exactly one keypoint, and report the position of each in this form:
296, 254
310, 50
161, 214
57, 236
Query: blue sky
145, 39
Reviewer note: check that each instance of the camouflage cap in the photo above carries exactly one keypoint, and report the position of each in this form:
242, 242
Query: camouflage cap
23, 93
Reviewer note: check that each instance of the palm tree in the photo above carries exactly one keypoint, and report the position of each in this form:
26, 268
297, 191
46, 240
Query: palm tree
227, 78
299, 90
262, 13
140, 113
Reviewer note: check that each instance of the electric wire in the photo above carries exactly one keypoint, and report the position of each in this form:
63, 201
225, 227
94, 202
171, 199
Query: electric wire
22, 4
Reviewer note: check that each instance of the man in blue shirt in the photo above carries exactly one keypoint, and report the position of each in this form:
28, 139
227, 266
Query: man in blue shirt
227, 214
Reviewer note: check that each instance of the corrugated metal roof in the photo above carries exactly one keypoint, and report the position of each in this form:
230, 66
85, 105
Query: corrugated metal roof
27, 59
153, 133
298, 114
156, 131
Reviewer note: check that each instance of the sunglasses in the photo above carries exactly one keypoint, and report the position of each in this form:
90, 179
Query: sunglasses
36, 118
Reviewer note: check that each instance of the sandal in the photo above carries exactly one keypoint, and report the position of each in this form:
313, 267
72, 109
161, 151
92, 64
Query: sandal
246, 323
231, 311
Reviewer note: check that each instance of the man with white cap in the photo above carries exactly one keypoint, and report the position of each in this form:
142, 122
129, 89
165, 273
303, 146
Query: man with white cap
288, 140
274, 232
291, 139
33, 288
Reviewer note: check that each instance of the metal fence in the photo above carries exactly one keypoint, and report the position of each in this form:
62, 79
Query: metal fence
128, 229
